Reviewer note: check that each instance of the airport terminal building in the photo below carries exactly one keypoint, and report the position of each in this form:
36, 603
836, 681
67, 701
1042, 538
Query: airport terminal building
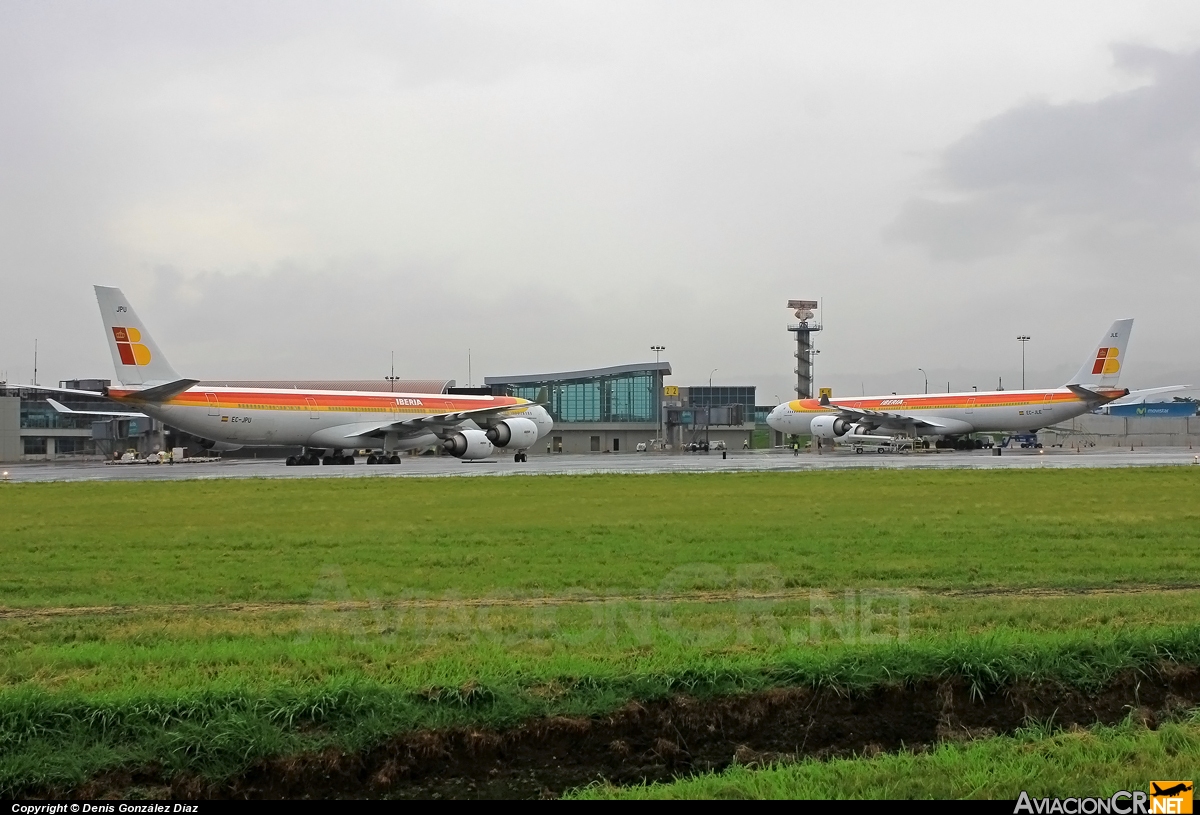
32, 430
613, 409
599, 410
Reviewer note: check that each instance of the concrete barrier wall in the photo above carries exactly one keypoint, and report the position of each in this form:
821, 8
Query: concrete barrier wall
1120, 431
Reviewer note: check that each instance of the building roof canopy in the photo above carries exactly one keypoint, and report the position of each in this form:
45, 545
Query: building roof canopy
593, 373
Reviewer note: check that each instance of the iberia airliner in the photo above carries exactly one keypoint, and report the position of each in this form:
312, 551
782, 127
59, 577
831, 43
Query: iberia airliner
329, 425
958, 414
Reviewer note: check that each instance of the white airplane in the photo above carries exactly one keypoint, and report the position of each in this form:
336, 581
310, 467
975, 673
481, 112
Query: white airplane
958, 414
329, 425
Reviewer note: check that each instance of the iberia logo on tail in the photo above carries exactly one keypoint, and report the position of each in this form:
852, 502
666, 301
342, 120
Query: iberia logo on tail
130, 347
1106, 361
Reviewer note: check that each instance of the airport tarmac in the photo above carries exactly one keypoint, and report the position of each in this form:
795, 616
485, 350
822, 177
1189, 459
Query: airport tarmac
738, 461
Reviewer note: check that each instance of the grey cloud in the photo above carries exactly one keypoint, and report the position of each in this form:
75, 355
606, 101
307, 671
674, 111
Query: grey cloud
344, 319
1126, 162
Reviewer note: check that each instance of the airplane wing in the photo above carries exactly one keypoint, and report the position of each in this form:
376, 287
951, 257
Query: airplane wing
880, 417
884, 418
425, 424
124, 414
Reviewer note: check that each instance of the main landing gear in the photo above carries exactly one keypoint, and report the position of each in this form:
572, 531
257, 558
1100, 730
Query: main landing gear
383, 459
310, 458
519, 457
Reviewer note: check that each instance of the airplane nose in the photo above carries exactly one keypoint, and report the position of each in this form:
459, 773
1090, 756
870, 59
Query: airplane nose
543, 420
773, 418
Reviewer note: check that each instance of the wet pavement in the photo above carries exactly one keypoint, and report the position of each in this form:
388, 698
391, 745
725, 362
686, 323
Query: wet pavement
737, 461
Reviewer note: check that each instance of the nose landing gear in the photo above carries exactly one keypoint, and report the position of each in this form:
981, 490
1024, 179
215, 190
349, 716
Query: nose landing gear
520, 457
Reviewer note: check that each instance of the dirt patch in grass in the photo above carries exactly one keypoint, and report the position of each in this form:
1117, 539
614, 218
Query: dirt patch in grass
661, 740
714, 596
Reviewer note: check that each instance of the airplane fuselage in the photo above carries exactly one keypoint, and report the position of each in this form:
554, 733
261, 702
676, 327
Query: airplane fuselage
946, 413
316, 419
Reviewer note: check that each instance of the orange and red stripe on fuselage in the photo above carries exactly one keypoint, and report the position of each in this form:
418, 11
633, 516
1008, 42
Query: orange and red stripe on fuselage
974, 411
327, 401
289, 417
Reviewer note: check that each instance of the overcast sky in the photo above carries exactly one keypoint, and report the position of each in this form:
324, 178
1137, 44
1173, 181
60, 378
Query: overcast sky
297, 189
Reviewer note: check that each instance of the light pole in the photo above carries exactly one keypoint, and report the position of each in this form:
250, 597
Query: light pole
391, 378
922, 370
658, 349
708, 410
1023, 339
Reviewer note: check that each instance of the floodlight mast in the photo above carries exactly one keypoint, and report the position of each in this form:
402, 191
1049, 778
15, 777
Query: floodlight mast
658, 349
1023, 339
391, 378
708, 410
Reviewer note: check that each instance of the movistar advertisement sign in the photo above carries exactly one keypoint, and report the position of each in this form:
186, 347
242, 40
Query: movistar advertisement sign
1172, 410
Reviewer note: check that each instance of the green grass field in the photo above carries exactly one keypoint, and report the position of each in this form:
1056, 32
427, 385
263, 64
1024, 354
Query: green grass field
1044, 764
202, 625
270, 540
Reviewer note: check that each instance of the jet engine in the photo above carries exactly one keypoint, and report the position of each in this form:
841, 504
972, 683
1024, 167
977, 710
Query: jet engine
219, 446
516, 432
829, 427
468, 444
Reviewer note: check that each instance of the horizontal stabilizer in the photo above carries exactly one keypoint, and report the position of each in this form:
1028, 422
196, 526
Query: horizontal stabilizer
1094, 398
161, 393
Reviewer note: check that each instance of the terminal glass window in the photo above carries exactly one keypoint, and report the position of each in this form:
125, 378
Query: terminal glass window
629, 397
722, 395
37, 414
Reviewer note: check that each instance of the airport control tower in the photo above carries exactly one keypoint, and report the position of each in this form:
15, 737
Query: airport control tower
805, 352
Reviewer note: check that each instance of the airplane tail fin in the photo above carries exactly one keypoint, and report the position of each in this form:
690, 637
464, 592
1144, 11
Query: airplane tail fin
135, 354
1103, 367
